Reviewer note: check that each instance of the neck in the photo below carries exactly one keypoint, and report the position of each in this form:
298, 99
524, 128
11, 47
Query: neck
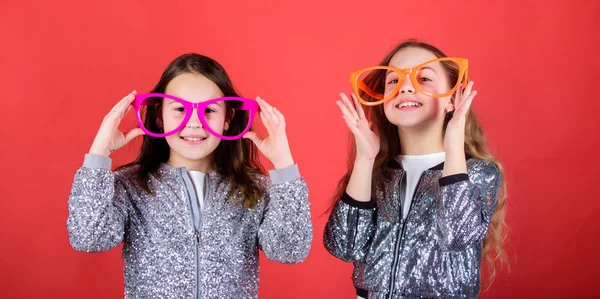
420, 141
205, 165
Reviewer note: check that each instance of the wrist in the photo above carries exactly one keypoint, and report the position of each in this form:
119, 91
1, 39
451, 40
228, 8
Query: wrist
364, 163
284, 162
455, 154
364, 160
455, 163
99, 151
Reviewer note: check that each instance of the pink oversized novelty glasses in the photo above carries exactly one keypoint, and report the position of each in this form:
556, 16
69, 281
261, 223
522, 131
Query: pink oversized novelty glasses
181, 110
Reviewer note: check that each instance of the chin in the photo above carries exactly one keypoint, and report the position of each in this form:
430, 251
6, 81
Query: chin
195, 157
194, 152
407, 120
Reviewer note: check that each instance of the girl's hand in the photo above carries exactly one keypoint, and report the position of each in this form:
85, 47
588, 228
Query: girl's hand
454, 139
109, 138
367, 141
275, 146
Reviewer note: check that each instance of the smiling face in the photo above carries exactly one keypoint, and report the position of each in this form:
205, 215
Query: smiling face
192, 143
411, 108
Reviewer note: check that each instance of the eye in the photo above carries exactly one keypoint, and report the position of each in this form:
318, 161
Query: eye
180, 109
426, 75
391, 78
212, 108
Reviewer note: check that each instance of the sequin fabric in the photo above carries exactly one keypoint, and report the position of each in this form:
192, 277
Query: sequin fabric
166, 254
436, 252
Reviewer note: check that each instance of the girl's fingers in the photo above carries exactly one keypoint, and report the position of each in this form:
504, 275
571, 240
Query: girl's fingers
359, 108
349, 106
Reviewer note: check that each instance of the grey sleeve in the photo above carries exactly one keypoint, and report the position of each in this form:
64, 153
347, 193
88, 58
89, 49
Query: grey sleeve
285, 232
465, 207
98, 207
350, 229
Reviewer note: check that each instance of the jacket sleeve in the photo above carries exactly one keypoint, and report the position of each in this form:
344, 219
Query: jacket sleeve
465, 207
350, 229
98, 207
285, 233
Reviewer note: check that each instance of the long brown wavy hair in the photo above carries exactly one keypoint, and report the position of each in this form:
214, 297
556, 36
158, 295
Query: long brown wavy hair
236, 160
475, 146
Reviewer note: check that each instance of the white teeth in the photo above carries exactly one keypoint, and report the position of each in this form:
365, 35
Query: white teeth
193, 139
409, 104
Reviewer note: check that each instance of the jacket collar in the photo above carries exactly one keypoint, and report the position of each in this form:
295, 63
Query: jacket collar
393, 164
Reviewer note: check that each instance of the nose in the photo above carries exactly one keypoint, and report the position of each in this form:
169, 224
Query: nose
194, 122
407, 86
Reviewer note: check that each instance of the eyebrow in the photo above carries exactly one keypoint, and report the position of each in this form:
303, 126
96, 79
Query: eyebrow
425, 67
428, 67
171, 101
220, 103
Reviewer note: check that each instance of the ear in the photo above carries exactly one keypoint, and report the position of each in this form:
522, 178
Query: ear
450, 106
160, 123
230, 115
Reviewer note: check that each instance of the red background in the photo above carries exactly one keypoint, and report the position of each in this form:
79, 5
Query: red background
64, 64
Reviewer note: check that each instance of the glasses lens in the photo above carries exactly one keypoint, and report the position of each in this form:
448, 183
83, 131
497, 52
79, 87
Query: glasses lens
151, 110
370, 84
437, 78
232, 111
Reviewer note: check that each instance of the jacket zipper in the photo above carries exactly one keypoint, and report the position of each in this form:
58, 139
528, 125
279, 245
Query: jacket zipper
196, 230
400, 235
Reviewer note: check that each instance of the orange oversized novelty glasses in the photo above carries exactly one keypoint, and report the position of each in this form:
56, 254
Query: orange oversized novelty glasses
424, 77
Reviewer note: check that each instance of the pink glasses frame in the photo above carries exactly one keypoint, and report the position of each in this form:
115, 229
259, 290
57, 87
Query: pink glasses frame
247, 104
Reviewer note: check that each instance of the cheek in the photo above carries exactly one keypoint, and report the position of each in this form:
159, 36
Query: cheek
388, 90
445, 101
173, 140
438, 105
388, 106
171, 121
216, 121
436, 87
430, 87
388, 110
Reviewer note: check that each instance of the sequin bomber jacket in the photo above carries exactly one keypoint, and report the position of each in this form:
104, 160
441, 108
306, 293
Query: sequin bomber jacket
436, 251
174, 249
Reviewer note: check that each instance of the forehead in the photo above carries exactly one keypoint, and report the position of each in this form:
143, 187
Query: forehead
411, 57
193, 87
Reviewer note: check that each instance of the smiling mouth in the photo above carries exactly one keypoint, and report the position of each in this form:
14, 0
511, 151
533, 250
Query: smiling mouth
408, 105
193, 139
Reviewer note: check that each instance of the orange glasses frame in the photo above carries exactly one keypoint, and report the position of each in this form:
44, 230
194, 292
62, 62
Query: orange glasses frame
359, 85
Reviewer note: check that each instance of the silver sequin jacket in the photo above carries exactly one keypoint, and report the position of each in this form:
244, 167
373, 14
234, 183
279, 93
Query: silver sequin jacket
436, 251
172, 249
